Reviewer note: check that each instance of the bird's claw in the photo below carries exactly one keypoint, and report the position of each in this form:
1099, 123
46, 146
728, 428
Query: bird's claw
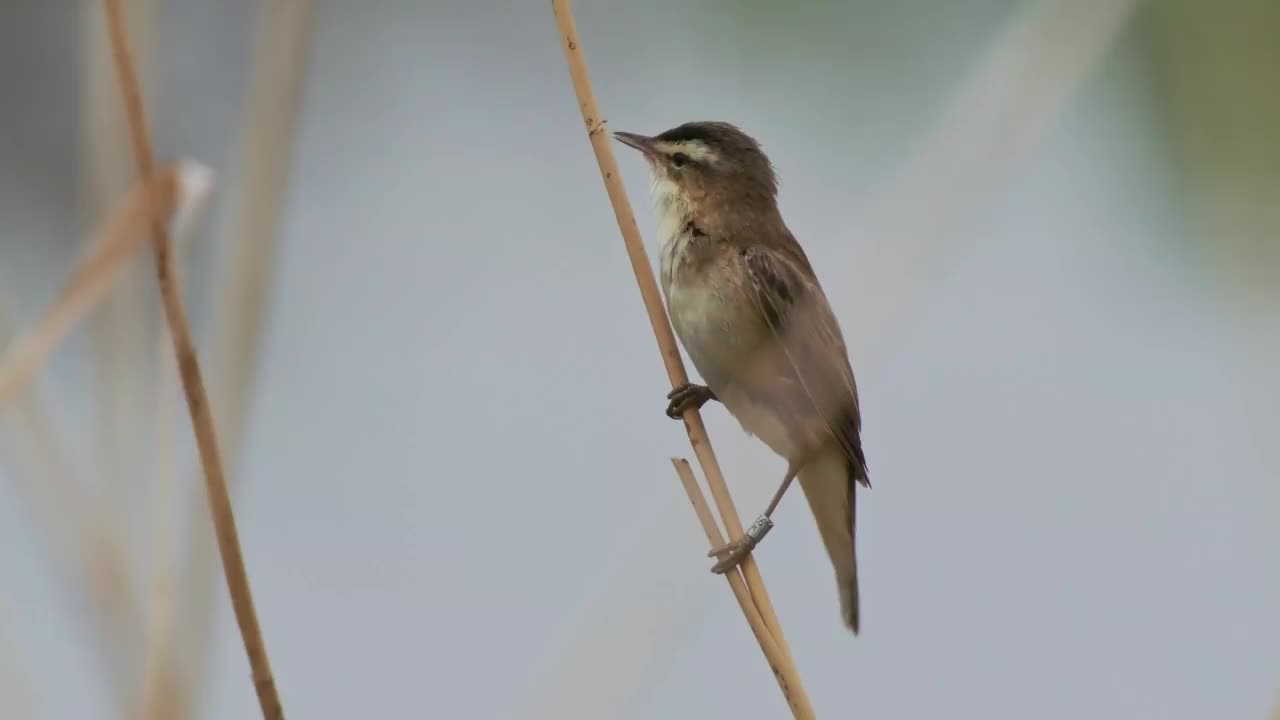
687, 397
732, 554
738, 550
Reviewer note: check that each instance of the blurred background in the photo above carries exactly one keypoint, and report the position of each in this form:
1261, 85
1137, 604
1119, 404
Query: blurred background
1049, 229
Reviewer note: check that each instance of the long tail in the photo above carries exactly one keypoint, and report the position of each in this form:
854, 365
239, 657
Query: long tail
829, 482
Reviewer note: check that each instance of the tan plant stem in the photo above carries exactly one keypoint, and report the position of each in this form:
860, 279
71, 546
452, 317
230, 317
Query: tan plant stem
600, 143
785, 672
120, 326
87, 285
193, 385
79, 533
165, 691
243, 287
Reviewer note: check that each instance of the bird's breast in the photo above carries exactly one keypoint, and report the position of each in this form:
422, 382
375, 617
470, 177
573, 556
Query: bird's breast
713, 318
709, 310
720, 329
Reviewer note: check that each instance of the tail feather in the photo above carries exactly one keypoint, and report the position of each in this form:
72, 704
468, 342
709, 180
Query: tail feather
829, 482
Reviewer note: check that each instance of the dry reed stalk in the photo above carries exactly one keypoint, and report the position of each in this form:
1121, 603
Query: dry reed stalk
193, 384
115, 331
266, 138
163, 686
785, 673
599, 138
86, 546
120, 326
87, 284
89, 555
81, 534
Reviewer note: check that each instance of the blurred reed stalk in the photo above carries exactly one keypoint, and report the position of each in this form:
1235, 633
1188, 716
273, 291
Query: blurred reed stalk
163, 690
193, 383
120, 327
923, 220
775, 646
86, 546
79, 534
88, 283
266, 138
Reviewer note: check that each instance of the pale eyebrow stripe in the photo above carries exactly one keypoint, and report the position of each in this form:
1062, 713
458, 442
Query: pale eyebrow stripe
695, 149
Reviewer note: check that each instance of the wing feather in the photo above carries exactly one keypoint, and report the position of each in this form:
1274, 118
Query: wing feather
804, 371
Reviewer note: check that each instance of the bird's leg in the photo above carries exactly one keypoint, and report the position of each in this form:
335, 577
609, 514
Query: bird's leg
735, 552
688, 397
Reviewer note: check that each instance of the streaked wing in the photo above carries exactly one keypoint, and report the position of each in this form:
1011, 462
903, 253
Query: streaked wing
805, 371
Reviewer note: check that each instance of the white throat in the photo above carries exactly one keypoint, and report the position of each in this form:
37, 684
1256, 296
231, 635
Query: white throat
674, 213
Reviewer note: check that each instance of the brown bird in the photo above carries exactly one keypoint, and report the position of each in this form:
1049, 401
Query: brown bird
749, 310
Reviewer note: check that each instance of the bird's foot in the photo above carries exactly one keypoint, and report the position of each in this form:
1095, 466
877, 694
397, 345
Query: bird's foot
732, 554
688, 397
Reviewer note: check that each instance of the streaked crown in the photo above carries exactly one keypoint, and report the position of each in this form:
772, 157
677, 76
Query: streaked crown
713, 158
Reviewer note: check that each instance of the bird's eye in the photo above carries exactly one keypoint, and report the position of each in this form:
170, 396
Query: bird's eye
679, 159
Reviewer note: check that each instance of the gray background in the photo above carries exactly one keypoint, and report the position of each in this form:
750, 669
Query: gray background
456, 495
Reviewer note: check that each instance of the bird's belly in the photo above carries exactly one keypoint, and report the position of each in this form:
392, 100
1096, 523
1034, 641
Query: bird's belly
711, 328
759, 421
720, 332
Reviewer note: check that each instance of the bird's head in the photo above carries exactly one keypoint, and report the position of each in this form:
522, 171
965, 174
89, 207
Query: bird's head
701, 162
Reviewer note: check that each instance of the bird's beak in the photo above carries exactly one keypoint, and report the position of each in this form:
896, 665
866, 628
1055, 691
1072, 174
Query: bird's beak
640, 142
